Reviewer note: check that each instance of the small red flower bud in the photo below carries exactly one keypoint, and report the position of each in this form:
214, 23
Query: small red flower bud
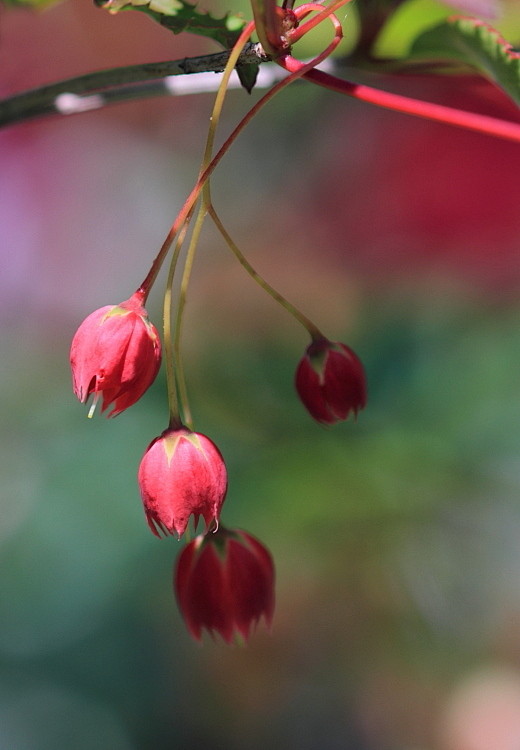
116, 352
330, 381
224, 582
182, 474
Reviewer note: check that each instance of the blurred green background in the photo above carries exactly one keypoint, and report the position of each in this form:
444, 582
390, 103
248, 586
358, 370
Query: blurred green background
397, 624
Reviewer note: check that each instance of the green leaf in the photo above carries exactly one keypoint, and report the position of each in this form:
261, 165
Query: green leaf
472, 46
402, 27
179, 15
248, 75
373, 15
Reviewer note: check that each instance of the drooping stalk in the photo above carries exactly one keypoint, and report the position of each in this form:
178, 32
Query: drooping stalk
172, 361
207, 206
185, 281
205, 173
192, 248
313, 330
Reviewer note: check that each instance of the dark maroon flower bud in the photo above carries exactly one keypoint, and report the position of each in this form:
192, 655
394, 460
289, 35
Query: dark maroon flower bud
182, 474
224, 582
116, 352
330, 381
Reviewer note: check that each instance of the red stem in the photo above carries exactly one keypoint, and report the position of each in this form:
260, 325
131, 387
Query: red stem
429, 111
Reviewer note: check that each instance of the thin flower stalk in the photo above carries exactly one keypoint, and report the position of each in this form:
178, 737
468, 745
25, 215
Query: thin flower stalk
173, 361
202, 184
193, 196
186, 274
299, 316
177, 378
313, 330
201, 181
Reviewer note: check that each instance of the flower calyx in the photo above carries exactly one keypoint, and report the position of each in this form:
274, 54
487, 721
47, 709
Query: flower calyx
182, 474
330, 381
115, 354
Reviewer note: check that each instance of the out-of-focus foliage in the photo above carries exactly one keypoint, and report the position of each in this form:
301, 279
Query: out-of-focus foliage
395, 538
395, 541
474, 45
414, 17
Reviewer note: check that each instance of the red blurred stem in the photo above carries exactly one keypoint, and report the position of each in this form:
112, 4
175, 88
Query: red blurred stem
427, 110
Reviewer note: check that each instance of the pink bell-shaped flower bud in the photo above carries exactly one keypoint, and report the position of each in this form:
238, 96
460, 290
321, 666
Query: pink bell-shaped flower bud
330, 381
182, 474
224, 582
116, 353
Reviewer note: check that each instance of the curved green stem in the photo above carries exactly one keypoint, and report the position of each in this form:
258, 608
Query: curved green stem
177, 379
313, 330
208, 207
185, 281
206, 169
205, 175
169, 352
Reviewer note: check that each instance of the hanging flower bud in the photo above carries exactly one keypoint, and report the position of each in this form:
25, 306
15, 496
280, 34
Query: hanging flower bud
330, 381
116, 353
224, 582
182, 474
